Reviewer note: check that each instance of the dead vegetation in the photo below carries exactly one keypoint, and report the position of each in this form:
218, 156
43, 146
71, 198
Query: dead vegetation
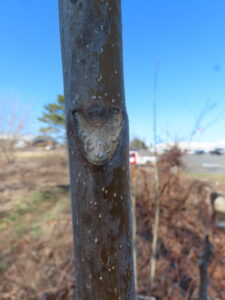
185, 221
36, 245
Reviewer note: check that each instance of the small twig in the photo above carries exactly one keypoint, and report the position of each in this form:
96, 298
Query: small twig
204, 263
157, 189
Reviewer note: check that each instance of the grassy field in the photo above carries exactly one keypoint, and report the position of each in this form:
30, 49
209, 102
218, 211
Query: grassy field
33, 190
213, 178
34, 214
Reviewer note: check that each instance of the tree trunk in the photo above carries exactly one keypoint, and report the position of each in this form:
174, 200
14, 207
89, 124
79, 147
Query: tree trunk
97, 130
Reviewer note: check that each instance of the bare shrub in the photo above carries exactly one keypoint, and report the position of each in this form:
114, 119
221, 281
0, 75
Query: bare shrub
184, 222
12, 125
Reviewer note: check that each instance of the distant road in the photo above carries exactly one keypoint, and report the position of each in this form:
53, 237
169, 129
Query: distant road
205, 163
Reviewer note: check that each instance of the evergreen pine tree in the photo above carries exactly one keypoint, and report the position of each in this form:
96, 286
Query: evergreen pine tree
54, 118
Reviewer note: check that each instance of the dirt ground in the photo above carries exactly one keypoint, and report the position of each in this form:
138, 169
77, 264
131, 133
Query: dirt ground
35, 216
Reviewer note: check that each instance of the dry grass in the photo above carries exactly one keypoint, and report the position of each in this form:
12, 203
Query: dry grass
38, 154
184, 221
36, 260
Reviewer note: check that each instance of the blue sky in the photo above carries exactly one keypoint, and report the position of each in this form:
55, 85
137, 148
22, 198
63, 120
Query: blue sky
185, 38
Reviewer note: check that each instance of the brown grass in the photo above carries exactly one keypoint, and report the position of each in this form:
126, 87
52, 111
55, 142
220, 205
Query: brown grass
36, 260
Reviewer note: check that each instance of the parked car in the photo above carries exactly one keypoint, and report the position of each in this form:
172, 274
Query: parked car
141, 157
199, 152
217, 151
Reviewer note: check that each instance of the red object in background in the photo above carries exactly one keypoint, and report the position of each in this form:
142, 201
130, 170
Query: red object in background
133, 159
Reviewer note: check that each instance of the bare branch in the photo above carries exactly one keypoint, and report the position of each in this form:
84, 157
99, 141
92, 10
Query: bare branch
204, 263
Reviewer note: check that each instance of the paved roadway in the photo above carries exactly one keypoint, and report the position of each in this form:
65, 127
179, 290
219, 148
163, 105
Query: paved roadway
205, 163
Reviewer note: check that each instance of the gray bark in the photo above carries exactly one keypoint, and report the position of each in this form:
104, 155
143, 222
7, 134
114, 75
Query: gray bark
97, 130
205, 260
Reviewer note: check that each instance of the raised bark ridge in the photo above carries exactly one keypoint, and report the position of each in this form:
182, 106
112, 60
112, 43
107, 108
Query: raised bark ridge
98, 130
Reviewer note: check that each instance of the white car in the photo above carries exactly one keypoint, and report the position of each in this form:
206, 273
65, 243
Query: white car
141, 157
